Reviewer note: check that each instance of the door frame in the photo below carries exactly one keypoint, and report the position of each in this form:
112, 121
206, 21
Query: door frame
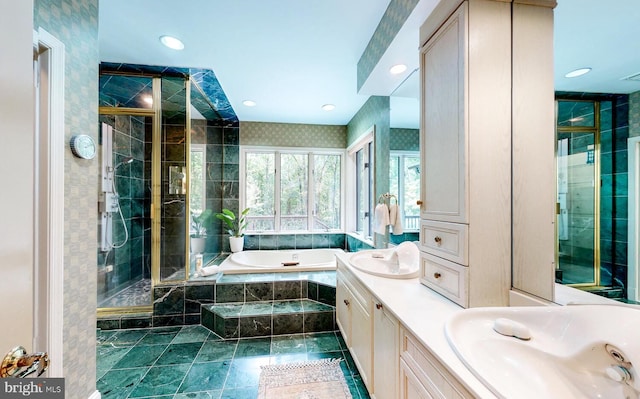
633, 277
49, 211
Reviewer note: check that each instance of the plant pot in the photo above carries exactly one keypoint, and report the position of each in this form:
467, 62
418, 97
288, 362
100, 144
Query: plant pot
236, 243
197, 244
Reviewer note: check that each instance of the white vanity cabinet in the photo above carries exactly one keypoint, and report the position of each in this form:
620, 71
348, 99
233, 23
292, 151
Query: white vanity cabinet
386, 357
371, 334
354, 319
423, 376
466, 151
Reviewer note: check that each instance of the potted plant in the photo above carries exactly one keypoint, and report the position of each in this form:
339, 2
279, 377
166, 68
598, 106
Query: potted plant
199, 225
235, 227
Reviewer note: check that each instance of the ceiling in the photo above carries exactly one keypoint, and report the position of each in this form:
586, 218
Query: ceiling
291, 57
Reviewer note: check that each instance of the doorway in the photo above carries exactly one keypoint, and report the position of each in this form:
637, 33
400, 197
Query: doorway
588, 192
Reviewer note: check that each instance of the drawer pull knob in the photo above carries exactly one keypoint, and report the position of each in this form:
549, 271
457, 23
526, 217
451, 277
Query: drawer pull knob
437, 275
437, 239
346, 302
418, 202
378, 306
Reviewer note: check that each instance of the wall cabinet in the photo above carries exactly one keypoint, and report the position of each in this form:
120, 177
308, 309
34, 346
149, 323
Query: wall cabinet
466, 152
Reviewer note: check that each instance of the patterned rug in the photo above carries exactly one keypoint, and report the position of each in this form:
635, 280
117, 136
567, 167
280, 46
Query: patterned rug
321, 379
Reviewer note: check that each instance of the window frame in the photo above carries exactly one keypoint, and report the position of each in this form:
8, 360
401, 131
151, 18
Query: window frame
365, 142
402, 155
309, 152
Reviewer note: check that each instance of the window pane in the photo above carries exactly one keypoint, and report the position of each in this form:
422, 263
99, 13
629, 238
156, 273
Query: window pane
327, 192
360, 193
411, 193
294, 191
394, 174
260, 191
196, 186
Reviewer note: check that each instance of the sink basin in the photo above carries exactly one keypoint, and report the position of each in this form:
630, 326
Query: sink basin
388, 262
582, 351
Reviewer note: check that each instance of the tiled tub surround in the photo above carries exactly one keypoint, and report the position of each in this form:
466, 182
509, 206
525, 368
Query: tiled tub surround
180, 304
192, 362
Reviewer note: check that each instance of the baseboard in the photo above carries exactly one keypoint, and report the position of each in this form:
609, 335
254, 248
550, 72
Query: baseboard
95, 395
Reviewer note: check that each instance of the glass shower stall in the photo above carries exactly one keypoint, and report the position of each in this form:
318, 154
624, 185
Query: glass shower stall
147, 125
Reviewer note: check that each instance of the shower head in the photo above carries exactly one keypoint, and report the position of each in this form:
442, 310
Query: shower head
125, 161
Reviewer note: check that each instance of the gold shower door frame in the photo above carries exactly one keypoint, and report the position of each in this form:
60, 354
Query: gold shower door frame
156, 185
595, 130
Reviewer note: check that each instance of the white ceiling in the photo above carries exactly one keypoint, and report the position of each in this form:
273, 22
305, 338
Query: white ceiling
292, 56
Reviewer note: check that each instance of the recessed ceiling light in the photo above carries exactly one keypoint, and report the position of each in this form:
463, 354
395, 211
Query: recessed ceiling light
577, 72
328, 107
398, 69
249, 103
172, 42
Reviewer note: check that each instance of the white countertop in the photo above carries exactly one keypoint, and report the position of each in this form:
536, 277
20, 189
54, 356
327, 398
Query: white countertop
424, 313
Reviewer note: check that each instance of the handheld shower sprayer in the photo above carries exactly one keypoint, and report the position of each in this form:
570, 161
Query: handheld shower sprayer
125, 161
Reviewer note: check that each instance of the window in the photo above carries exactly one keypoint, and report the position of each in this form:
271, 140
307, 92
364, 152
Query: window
361, 159
404, 179
292, 189
197, 181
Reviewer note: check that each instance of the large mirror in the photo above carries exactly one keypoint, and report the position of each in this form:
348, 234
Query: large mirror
597, 130
404, 157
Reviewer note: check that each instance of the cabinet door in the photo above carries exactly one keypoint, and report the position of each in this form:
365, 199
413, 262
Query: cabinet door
386, 354
410, 386
344, 299
361, 339
444, 141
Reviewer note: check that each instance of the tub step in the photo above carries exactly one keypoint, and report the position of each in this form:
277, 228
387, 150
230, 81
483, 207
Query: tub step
266, 318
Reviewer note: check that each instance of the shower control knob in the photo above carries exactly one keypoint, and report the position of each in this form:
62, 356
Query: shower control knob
618, 373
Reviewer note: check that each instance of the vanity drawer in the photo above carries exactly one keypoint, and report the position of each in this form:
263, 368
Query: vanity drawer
446, 240
445, 277
429, 371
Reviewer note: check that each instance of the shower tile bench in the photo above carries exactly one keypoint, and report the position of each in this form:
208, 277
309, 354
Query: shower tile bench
243, 305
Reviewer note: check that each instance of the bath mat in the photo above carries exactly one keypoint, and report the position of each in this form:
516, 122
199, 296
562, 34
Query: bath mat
320, 379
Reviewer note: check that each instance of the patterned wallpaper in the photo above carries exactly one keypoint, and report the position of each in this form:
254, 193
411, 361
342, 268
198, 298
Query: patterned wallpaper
634, 114
389, 26
293, 135
75, 23
404, 139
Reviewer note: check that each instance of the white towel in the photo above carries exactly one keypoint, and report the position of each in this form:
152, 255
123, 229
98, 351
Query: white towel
381, 219
395, 219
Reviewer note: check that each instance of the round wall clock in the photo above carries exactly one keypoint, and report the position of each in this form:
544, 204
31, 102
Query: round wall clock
83, 146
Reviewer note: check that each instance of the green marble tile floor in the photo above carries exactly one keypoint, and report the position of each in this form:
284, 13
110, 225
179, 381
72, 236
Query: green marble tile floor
190, 362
